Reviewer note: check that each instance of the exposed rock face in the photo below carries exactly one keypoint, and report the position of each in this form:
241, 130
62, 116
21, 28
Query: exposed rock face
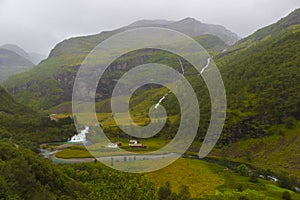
65, 80
107, 82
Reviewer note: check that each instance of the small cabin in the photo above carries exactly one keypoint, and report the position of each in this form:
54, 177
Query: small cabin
133, 142
136, 144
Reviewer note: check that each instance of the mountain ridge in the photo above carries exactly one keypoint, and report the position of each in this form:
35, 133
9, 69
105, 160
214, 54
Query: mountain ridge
196, 28
55, 75
12, 63
33, 57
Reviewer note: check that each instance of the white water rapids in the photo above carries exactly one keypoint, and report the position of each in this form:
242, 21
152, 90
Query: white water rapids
81, 137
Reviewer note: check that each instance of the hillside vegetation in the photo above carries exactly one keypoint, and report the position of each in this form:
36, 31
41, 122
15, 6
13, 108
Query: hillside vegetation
50, 83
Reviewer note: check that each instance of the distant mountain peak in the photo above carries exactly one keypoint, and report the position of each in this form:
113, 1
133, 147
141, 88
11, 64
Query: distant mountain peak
32, 57
190, 20
147, 22
12, 63
191, 27
18, 50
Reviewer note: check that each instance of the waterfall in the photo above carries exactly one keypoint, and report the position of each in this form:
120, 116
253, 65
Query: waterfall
181, 65
161, 99
206, 66
81, 137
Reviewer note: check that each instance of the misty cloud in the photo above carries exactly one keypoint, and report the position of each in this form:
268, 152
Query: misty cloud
38, 25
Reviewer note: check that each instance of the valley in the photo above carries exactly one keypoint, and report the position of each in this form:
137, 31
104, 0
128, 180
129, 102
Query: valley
46, 154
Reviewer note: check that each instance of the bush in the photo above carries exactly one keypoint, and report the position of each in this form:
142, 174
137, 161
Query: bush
285, 181
184, 193
286, 195
290, 123
242, 170
253, 179
164, 192
240, 188
243, 198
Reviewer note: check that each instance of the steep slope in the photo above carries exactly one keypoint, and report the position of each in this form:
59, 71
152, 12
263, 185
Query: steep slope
273, 30
51, 82
22, 125
12, 63
262, 79
262, 82
263, 76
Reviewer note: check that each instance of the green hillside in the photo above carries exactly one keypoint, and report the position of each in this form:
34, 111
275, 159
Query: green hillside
23, 126
51, 82
262, 79
261, 136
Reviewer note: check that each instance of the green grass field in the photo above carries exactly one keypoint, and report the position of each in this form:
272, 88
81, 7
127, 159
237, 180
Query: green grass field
205, 180
211, 181
77, 151
278, 152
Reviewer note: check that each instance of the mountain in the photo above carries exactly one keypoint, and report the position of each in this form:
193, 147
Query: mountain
265, 70
262, 78
50, 83
199, 28
12, 63
261, 74
32, 57
192, 27
17, 50
146, 22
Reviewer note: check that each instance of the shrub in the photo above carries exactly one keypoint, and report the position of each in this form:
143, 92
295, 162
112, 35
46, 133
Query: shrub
286, 195
164, 192
242, 170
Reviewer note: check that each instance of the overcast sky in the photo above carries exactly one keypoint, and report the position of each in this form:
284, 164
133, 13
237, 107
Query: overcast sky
37, 25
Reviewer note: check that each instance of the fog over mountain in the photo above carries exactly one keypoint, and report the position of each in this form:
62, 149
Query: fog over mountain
33, 57
37, 26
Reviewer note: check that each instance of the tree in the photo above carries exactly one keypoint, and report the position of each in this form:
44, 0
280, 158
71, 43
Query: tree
285, 181
286, 195
242, 170
184, 193
173, 196
253, 179
240, 188
164, 191
290, 123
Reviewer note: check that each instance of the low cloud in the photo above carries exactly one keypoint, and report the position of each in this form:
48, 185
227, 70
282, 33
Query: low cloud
39, 25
